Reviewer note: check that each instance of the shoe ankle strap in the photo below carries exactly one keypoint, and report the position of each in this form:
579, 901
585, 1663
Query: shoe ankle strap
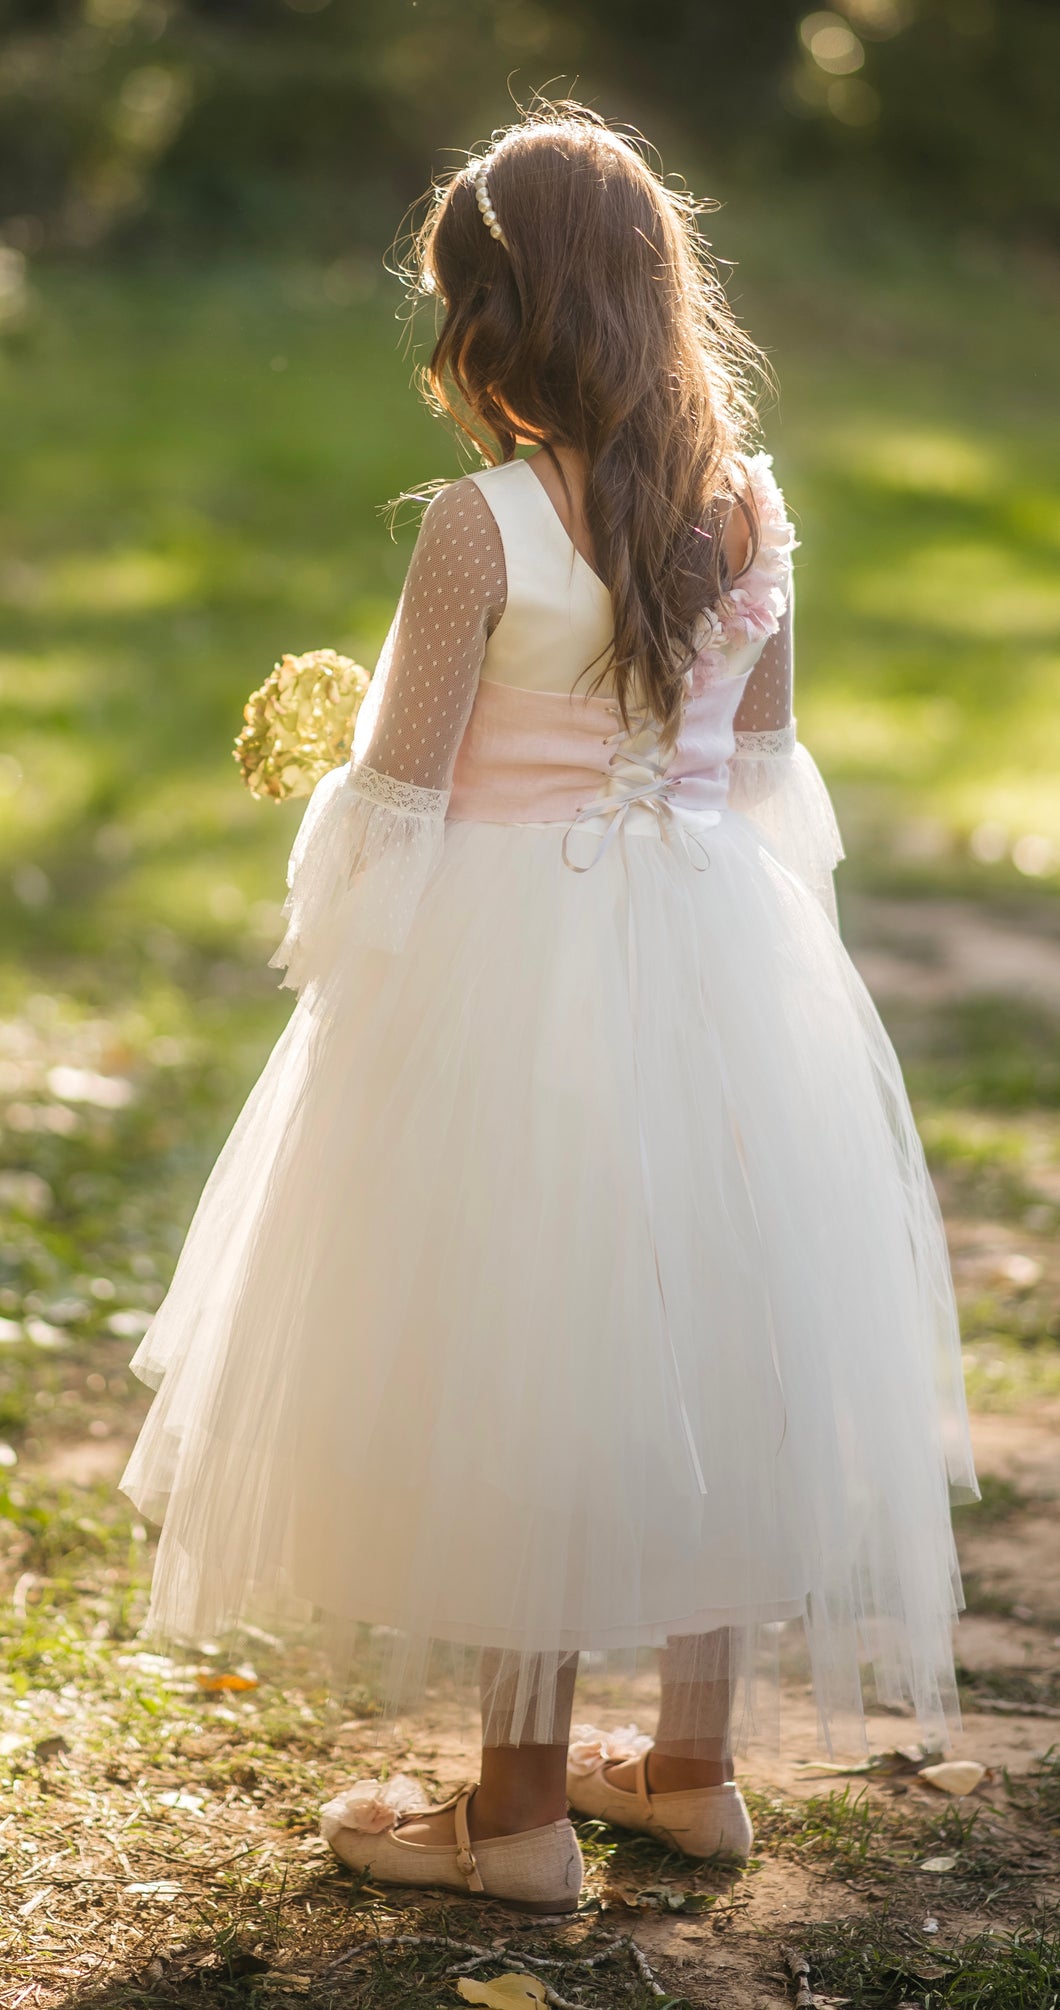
465, 1855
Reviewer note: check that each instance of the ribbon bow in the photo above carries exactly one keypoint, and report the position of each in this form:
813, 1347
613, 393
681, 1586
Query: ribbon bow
655, 794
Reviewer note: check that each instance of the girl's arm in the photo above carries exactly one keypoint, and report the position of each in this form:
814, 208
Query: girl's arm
774, 779
373, 832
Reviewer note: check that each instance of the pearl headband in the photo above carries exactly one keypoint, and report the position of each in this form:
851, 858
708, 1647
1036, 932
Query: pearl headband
486, 209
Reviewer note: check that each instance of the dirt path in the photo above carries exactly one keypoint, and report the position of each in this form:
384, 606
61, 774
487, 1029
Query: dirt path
929, 952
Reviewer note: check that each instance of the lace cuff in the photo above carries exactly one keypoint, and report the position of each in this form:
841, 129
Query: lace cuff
765, 746
404, 798
759, 764
366, 848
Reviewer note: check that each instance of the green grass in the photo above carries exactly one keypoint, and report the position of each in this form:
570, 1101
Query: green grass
873, 1967
864, 1835
1010, 1685
1000, 1500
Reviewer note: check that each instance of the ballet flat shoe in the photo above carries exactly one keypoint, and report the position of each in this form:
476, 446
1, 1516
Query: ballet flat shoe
699, 1821
537, 1870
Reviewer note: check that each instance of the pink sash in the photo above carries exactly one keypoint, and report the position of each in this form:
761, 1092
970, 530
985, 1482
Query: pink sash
543, 756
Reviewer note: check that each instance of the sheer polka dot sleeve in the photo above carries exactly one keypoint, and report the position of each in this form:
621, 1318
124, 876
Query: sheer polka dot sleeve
775, 780
765, 721
373, 832
413, 719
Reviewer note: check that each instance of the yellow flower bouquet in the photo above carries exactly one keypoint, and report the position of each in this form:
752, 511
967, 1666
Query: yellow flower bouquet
299, 724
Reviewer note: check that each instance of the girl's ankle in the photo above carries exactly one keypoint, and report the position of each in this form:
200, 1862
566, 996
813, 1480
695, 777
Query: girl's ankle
667, 1774
511, 1816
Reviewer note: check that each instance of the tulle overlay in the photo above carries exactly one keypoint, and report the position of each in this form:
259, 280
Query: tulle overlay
571, 1280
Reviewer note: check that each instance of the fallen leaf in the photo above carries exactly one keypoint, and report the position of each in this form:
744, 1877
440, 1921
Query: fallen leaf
235, 1678
505, 1992
939, 1863
32, 1903
954, 1776
668, 1898
49, 1748
241, 1965
901, 1758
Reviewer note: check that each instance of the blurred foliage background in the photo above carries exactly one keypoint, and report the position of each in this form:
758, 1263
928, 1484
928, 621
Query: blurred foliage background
205, 402
192, 121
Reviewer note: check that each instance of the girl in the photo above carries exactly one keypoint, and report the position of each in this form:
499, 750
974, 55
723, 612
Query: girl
572, 1278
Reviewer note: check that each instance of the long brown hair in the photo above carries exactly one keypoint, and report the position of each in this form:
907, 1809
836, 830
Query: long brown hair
599, 324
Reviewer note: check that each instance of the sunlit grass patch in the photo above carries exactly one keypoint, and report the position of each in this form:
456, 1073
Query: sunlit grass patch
920, 460
121, 580
876, 1964
1037, 1792
989, 1051
941, 1861
1038, 1687
1000, 1500
862, 1833
1002, 1375
969, 590
991, 1164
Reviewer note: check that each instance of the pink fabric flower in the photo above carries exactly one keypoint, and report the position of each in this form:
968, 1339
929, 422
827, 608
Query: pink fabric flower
372, 1806
590, 1747
754, 608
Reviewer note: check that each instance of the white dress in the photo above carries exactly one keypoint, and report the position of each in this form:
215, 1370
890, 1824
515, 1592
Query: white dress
572, 1278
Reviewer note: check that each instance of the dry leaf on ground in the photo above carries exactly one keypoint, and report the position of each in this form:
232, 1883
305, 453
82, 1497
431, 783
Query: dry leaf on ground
505, 1992
954, 1776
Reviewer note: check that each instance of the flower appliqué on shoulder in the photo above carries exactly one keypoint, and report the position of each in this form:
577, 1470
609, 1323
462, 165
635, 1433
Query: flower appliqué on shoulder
753, 608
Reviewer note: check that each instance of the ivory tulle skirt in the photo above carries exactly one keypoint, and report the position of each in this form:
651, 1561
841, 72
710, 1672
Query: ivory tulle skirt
572, 1280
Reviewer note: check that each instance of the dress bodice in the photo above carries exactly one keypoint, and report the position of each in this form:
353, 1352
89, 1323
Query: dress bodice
479, 713
539, 746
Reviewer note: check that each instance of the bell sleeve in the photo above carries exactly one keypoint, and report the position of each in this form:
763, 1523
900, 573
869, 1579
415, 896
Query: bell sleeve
774, 779
373, 831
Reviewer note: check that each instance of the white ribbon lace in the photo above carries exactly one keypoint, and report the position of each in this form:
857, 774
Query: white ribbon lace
655, 793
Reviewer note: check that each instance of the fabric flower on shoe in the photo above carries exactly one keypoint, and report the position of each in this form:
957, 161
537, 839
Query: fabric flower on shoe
373, 1805
590, 1747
